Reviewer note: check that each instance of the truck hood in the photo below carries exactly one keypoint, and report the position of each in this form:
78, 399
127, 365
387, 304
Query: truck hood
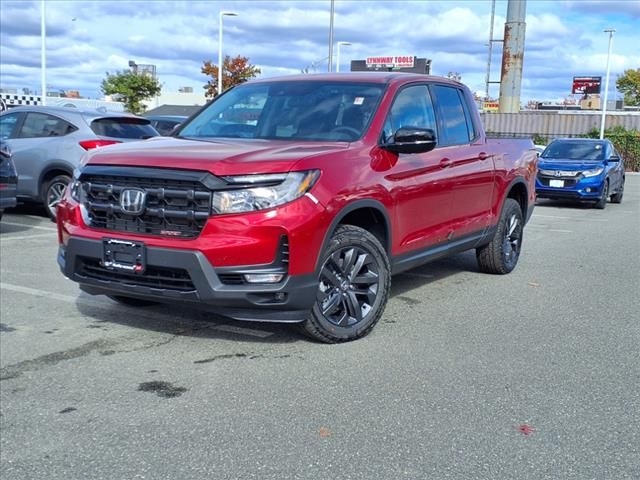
559, 164
220, 156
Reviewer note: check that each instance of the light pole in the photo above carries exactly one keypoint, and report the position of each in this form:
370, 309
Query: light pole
43, 55
331, 15
610, 31
338, 53
220, 61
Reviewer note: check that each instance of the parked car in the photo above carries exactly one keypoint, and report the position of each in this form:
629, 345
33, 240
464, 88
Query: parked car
539, 149
165, 124
48, 143
581, 169
296, 199
8, 178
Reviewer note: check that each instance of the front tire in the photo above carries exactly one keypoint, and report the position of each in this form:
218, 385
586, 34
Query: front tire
53, 192
602, 203
617, 197
501, 255
353, 287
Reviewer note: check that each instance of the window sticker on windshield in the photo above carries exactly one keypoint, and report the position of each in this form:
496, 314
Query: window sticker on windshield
358, 100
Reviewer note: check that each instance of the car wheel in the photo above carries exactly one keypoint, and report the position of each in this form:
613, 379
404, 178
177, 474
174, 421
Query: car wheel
132, 302
501, 255
53, 193
353, 287
617, 197
602, 203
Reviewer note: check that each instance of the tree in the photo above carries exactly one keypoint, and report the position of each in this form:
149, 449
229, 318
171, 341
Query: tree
629, 84
132, 88
236, 71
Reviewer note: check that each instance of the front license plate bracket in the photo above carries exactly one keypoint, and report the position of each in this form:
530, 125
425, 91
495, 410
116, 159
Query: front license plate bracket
124, 255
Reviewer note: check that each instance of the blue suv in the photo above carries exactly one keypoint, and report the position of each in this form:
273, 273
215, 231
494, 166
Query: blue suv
581, 169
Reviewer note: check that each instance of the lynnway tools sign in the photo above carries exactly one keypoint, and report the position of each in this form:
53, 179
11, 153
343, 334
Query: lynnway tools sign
406, 61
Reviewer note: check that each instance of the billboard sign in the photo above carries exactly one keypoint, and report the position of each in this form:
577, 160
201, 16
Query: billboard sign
401, 61
586, 85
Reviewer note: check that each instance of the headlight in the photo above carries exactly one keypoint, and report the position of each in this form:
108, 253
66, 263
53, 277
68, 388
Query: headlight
259, 192
74, 186
593, 173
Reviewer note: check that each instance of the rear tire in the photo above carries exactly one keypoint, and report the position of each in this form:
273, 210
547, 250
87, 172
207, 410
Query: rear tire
353, 287
617, 197
53, 192
501, 255
132, 302
602, 203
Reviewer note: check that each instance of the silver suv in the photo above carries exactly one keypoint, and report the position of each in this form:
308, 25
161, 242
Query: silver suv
48, 143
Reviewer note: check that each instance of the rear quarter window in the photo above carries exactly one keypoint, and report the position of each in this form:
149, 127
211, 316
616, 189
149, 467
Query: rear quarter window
124, 127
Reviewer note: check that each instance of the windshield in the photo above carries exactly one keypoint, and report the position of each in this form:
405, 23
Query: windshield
302, 110
574, 151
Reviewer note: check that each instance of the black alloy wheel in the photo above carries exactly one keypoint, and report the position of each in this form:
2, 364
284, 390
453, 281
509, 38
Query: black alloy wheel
353, 287
501, 255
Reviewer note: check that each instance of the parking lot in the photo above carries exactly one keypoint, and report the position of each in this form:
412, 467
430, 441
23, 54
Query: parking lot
531, 375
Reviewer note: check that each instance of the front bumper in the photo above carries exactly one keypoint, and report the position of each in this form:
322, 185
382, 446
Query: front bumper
187, 276
581, 189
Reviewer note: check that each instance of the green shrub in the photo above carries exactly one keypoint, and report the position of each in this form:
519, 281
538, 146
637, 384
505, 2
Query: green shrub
627, 142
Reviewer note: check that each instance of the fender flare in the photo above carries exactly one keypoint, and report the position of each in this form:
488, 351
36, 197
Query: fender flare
346, 210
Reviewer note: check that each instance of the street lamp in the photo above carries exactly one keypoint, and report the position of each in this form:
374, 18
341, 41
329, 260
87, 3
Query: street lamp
220, 66
43, 55
610, 31
338, 54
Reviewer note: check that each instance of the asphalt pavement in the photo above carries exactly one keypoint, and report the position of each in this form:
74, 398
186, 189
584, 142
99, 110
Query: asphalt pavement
533, 375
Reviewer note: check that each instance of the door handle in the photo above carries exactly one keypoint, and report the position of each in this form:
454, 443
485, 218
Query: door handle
483, 156
445, 163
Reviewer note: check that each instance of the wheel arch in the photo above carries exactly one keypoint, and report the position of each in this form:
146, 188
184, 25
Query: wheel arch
368, 214
53, 170
519, 191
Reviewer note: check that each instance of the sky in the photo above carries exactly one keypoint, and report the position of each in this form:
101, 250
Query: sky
86, 39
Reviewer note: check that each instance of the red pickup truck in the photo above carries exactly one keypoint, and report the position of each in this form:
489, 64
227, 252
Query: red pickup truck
296, 199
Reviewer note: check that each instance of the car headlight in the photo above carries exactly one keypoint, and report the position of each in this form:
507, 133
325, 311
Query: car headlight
593, 173
259, 192
74, 186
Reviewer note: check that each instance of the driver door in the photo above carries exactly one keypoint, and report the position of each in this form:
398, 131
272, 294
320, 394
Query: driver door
420, 183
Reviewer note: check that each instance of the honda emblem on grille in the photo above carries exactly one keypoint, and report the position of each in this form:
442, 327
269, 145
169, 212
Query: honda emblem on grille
132, 201
558, 173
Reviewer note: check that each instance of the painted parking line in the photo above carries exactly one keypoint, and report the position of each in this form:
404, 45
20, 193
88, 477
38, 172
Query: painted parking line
5, 238
97, 304
13, 224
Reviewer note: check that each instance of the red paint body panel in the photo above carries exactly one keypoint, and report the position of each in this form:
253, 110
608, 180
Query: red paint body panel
429, 198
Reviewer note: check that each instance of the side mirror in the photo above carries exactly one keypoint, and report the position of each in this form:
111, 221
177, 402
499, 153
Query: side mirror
614, 158
412, 140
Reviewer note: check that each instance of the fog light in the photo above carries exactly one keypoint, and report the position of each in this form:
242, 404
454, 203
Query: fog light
263, 277
588, 190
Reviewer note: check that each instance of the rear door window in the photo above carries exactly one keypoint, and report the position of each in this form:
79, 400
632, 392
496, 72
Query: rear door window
8, 124
123, 127
452, 118
38, 125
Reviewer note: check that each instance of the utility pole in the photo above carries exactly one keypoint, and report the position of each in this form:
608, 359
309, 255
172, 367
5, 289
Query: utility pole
490, 45
512, 56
